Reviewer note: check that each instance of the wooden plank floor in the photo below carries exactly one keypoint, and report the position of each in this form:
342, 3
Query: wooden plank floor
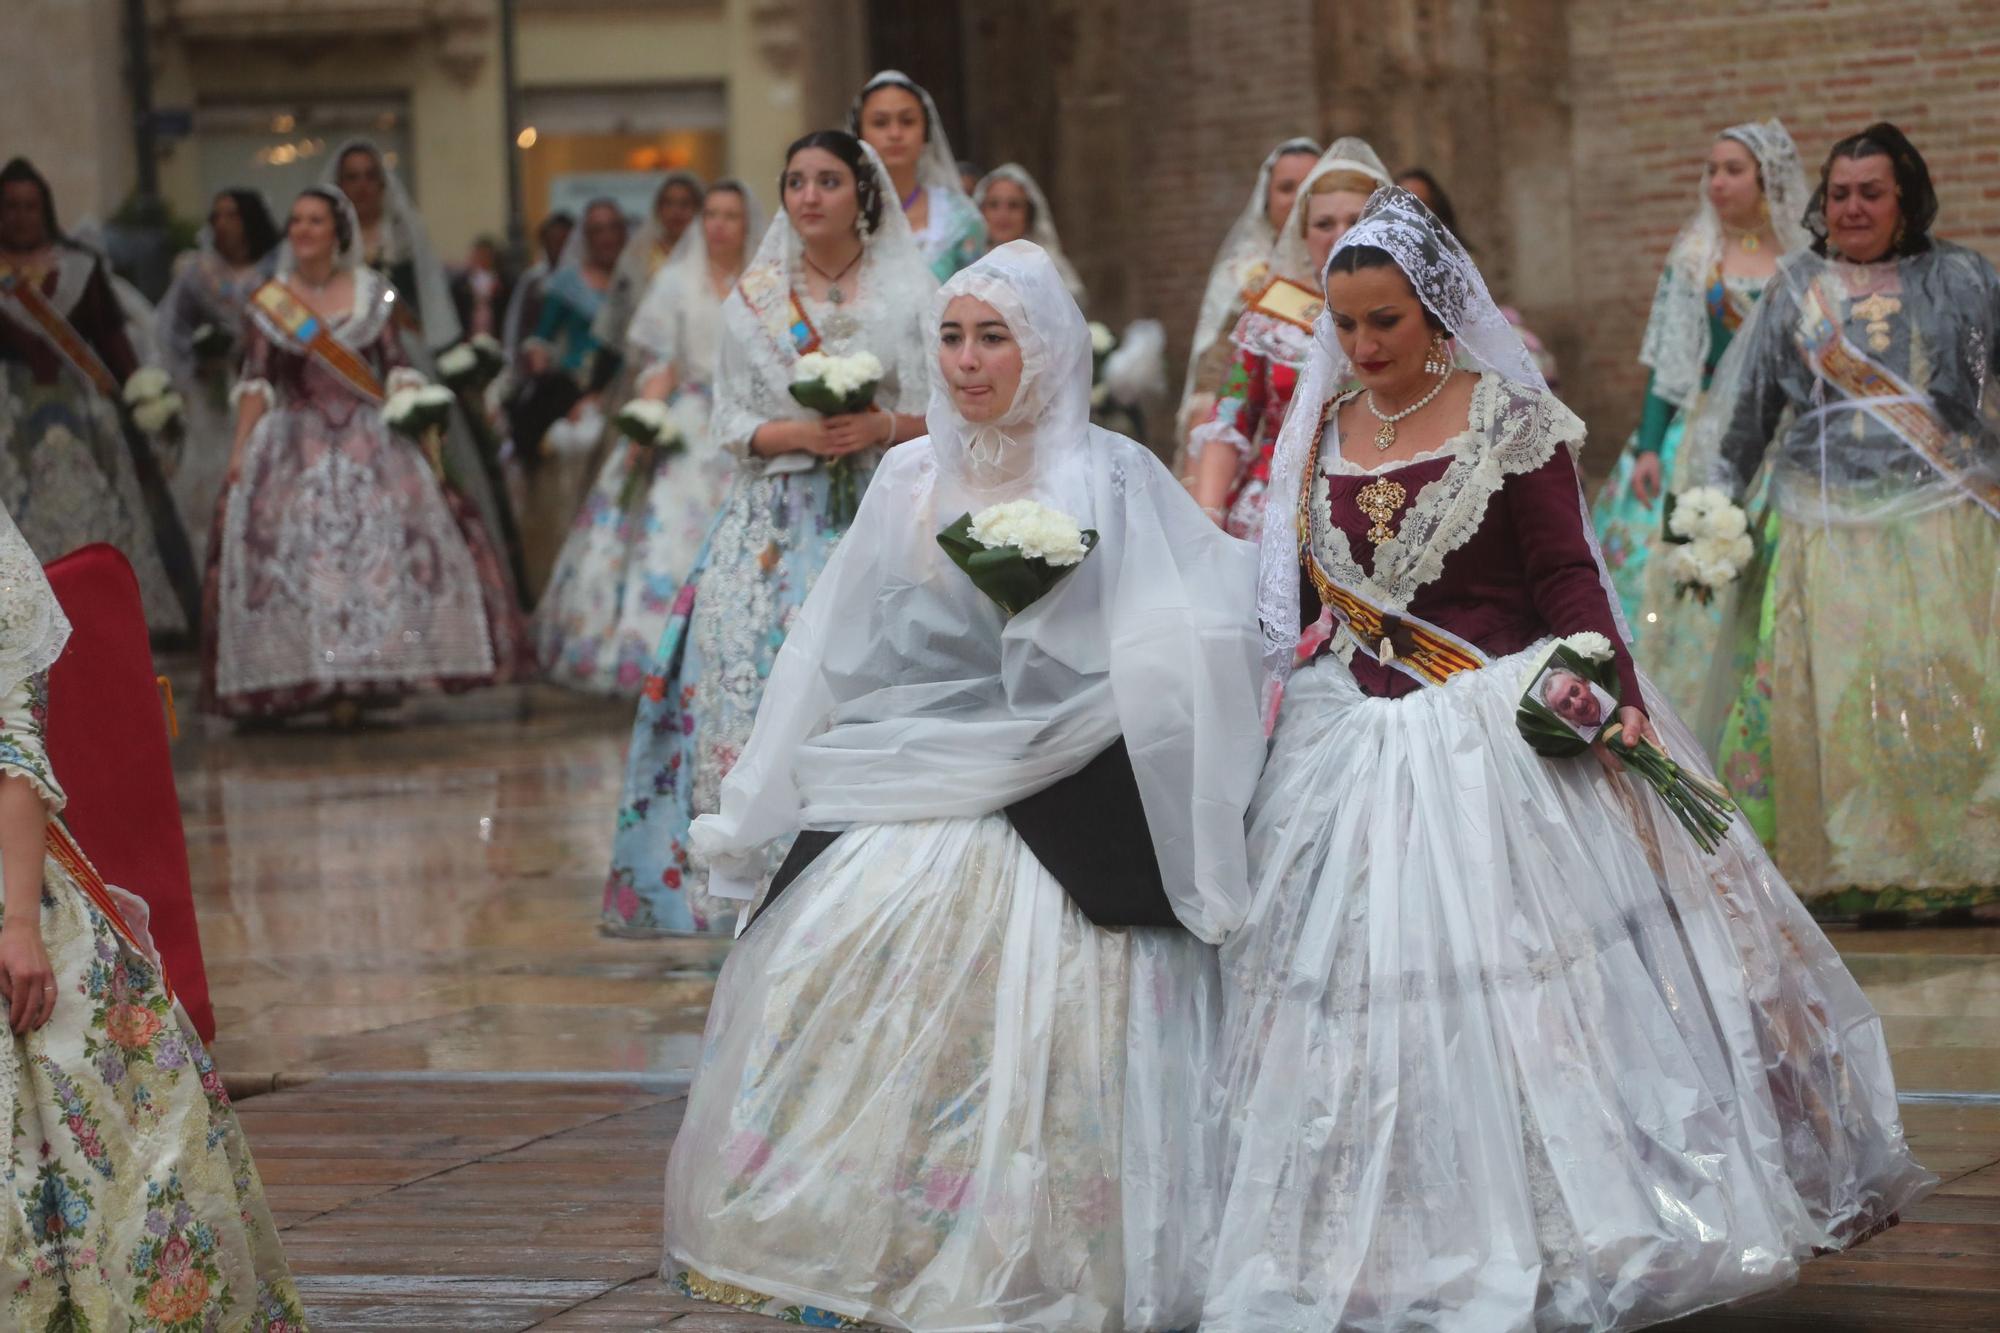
422, 1203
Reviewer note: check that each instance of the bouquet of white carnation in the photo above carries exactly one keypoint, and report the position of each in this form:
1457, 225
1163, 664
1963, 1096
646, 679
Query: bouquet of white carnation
470, 366
212, 342
1569, 698
1015, 552
835, 386
421, 413
1711, 543
155, 407
648, 423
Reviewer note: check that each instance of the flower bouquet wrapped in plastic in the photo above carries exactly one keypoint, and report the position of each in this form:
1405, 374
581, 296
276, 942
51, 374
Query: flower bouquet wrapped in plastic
1569, 700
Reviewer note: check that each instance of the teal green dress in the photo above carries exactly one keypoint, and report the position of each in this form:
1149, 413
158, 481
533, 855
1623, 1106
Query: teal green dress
1677, 640
1630, 530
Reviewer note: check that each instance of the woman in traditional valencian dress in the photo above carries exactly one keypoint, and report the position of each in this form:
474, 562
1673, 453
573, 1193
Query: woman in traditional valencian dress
131, 1200
1014, 208
347, 573
640, 527
1239, 266
837, 272
396, 244
952, 1077
899, 121
1229, 454
1865, 379
1503, 1049
676, 206
201, 335
71, 471
1752, 211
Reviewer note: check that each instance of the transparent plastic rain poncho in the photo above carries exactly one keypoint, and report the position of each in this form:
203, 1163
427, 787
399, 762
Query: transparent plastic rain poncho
932, 1093
902, 693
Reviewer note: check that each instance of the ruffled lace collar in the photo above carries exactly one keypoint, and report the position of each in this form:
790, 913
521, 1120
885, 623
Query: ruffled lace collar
1509, 429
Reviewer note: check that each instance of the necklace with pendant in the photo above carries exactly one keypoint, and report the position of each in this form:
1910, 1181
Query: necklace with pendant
833, 291
1385, 435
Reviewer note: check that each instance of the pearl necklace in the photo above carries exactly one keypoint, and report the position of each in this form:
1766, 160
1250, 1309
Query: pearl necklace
1385, 438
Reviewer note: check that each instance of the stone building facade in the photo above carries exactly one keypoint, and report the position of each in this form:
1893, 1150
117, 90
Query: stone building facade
1569, 132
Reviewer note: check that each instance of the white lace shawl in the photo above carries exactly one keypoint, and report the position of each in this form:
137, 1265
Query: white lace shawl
679, 320
903, 693
33, 628
888, 301
1675, 346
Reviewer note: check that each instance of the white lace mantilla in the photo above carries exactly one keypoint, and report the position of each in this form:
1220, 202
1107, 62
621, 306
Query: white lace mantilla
33, 628
1509, 430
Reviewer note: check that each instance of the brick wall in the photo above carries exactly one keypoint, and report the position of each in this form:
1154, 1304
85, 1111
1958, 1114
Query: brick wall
1570, 132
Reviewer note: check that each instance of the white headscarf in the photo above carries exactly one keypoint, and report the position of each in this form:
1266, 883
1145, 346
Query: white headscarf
936, 167
33, 628
1042, 223
406, 240
683, 279
903, 693
1291, 258
1449, 284
1244, 248
1676, 342
890, 289
955, 227
348, 256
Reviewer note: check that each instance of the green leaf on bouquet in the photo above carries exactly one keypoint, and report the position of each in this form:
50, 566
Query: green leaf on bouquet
815, 396
1012, 580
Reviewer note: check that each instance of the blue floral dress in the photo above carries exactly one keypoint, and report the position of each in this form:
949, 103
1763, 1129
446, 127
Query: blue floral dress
775, 532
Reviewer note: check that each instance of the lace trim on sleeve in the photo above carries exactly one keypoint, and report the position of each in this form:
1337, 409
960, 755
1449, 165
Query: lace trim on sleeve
259, 386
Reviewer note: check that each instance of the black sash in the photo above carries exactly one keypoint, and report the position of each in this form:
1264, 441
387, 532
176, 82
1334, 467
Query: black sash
1089, 831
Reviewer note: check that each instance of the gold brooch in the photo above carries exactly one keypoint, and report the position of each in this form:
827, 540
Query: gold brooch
1379, 500
1876, 310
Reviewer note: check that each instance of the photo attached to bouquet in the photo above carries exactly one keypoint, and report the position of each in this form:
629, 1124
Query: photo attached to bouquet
1574, 700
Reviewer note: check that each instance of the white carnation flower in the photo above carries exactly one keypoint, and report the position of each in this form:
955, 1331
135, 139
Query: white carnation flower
1037, 531
156, 414
487, 344
400, 405
1726, 523
459, 360
1102, 339
1695, 510
1682, 566
147, 382
1589, 645
435, 395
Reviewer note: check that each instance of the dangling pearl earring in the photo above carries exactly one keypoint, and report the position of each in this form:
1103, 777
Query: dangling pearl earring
1436, 362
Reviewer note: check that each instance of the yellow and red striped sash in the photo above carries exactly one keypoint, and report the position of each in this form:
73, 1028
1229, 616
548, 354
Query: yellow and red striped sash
71, 858
1897, 404
1428, 654
59, 333
298, 322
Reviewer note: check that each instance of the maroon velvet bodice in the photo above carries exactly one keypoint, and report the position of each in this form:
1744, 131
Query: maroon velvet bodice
1525, 573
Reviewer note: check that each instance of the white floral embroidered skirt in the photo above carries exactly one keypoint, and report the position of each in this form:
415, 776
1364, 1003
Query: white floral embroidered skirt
934, 1095
1503, 1050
